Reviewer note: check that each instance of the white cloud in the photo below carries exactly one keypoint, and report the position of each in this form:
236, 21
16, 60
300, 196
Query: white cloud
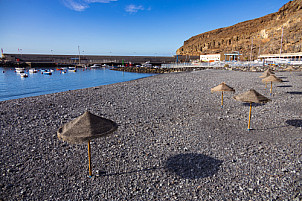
75, 5
81, 5
133, 8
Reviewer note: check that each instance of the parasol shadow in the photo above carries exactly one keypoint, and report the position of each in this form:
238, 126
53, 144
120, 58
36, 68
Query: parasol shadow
295, 122
295, 92
284, 86
192, 166
253, 104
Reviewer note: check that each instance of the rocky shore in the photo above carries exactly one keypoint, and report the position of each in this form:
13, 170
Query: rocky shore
154, 70
174, 141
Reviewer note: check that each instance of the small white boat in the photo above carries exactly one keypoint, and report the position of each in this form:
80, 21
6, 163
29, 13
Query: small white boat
47, 73
95, 66
20, 70
147, 64
23, 75
72, 69
32, 70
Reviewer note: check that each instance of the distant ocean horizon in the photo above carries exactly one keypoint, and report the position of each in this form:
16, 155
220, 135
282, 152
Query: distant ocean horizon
13, 86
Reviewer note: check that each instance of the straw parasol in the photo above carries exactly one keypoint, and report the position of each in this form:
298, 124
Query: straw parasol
251, 96
289, 68
270, 71
85, 128
222, 87
265, 74
271, 79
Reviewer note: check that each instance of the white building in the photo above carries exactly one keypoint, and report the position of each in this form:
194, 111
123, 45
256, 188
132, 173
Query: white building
210, 57
286, 58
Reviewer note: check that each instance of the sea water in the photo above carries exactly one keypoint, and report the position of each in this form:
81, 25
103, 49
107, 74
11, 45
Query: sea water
13, 86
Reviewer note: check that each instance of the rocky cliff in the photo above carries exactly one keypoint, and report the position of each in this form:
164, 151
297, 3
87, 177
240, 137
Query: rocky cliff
262, 35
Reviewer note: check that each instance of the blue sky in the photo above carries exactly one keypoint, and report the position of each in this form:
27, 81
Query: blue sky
118, 27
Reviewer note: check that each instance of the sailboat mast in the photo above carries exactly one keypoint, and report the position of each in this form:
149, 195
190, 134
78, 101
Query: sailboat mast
79, 55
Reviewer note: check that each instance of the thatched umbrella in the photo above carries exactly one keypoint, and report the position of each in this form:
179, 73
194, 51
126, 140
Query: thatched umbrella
222, 87
251, 96
270, 71
265, 74
271, 79
289, 68
85, 128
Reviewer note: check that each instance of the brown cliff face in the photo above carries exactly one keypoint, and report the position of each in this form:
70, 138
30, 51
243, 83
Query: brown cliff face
264, 33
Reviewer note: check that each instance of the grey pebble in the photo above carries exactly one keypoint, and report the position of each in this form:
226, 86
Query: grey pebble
174, 142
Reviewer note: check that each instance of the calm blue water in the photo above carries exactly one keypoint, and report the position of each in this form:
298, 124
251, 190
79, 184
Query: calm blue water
13, 86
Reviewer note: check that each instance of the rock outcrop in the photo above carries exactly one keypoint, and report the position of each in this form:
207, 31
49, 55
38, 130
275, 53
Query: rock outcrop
262, 35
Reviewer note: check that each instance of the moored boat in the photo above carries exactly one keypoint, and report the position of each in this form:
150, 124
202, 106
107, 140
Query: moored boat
47, 73
95, 66
72, 69
20, 70
32, 70
23, 75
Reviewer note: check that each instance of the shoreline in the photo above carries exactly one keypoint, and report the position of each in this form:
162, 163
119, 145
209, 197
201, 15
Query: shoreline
173, 141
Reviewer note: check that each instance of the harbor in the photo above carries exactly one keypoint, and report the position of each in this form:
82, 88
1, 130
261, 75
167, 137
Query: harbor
38, 81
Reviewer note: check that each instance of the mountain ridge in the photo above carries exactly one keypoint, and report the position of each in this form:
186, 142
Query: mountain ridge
262, 35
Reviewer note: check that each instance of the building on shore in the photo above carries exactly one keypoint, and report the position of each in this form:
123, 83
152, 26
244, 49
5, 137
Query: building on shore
210, 57
285, 58
232, 56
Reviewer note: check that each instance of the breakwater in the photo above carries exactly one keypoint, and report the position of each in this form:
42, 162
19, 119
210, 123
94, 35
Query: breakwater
53, 60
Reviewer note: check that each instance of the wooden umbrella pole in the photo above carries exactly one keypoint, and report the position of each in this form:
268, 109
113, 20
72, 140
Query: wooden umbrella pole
222, 99
89, 159
271, 88
265, 84
250, 116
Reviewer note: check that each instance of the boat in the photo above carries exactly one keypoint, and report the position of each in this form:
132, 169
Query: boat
72, 69
147, 64
32, 70
20, 70
23, 75
47, 73
95, 66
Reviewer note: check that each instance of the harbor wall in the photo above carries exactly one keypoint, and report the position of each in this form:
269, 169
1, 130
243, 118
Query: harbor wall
43, 59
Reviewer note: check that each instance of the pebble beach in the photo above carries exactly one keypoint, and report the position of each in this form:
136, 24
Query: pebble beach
173, 142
